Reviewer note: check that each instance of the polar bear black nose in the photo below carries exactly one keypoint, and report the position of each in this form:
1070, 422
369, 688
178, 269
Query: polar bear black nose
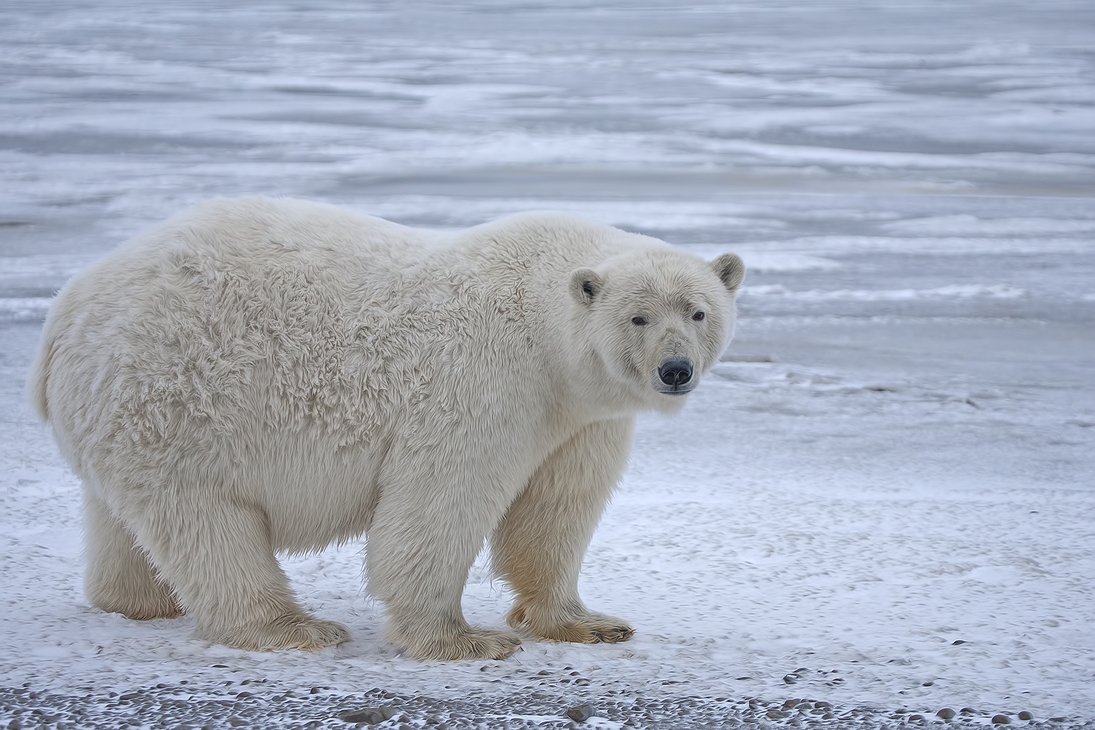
675, 372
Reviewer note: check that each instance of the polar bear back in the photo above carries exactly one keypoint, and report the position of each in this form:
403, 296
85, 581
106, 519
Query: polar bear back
245, 317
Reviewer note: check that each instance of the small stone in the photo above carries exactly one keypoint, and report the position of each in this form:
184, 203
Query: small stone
1001, 720
790, 679
788, 704
1024, 715
946, 713
370, 715
775, 714
958, 642
580, 713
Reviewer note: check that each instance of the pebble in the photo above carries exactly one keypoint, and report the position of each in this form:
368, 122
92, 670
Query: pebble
946, 713
1024, 715
370, 715
1001, 720
580, 713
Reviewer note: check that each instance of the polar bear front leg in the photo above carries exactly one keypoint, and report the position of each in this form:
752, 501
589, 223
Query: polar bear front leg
219, 559
428, 528
539, 545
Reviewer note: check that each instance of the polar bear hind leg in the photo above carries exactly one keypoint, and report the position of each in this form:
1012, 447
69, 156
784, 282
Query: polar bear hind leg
120, 578
539, 545
221, 564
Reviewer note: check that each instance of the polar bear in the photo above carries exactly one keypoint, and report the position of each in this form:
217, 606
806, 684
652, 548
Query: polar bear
269, 375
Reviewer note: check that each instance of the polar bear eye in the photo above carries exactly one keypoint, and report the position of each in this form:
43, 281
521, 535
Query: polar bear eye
638, 321
697, 317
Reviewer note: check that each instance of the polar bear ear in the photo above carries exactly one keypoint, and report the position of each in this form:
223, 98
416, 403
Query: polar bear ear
585, 284
731, 269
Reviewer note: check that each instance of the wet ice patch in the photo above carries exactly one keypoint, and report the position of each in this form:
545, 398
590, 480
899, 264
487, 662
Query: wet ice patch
953, 291
972, 225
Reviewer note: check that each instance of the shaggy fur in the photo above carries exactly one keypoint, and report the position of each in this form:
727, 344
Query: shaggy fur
263, 375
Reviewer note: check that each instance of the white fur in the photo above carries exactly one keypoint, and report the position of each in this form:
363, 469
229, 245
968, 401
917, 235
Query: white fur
263, 375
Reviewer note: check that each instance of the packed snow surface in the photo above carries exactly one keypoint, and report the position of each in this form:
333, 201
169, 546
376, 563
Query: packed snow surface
883, 496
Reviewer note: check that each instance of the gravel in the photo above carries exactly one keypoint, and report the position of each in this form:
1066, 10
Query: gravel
187, 706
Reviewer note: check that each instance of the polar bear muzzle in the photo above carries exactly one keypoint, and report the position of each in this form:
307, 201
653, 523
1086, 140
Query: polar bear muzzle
675, 377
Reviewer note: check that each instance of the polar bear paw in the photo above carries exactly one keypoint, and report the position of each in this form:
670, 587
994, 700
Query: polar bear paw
586, 627
454, 644
286, 632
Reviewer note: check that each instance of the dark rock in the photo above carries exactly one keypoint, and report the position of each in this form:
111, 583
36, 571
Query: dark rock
580, 713
1024, 715
946, 713
776, 714
790, 679
370, 715
1001, 720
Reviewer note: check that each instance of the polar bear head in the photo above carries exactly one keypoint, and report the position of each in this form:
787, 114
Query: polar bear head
658, 319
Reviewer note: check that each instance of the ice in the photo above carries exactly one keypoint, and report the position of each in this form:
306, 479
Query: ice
888, 481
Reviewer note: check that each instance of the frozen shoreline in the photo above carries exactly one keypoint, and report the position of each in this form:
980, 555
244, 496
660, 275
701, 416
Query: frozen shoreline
888, 481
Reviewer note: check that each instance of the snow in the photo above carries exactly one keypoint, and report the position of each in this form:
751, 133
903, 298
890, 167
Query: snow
889, 481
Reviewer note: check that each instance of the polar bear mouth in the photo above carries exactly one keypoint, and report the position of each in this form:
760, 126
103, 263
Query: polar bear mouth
674, 377
674, 391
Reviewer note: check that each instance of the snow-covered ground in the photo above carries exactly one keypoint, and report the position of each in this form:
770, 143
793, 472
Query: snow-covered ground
883, 498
